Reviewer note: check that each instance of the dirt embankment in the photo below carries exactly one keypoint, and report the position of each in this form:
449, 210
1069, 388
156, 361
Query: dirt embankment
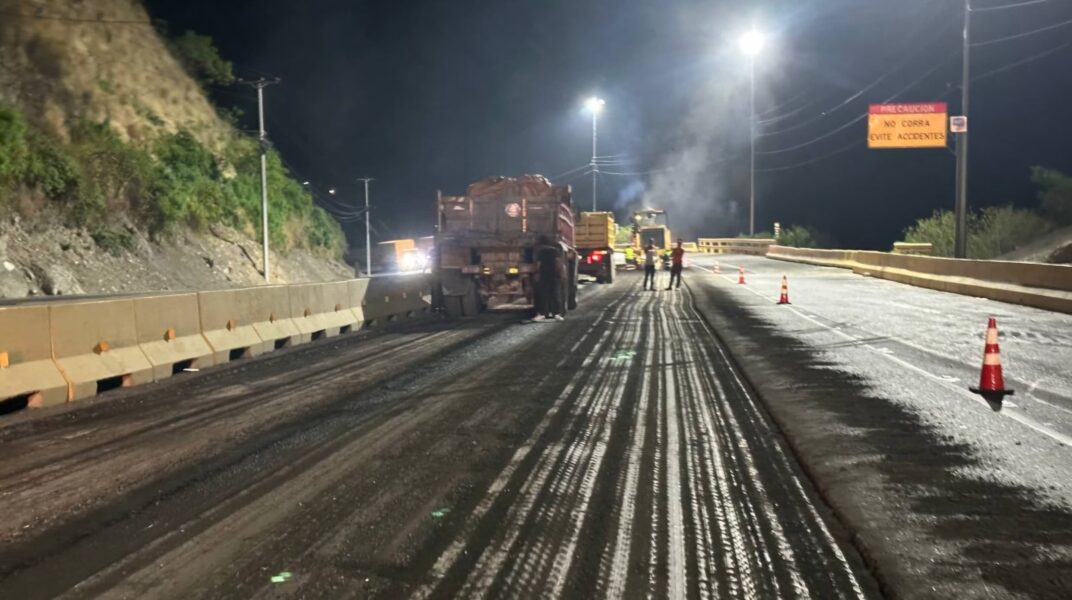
48, 259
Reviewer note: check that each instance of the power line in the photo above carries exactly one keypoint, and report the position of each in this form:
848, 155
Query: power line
1017, 36
854, 96
860, 117
781, 105
1022, 62
1008, 6
561, 175
841, 150
785, 116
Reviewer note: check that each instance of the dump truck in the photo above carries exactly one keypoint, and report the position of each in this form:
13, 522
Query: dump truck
393, 256
486, 243
595, 245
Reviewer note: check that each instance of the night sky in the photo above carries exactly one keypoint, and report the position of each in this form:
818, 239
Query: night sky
426, 95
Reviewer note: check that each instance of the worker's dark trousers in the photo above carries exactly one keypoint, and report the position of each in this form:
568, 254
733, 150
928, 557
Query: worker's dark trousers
675, 275
547, 298
649, 276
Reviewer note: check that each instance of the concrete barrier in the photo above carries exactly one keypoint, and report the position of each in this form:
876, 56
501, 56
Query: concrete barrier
395, 297
27, 371
357, 289
321, 309
169, 333
1030, 284
270, 314
70, 349
750, 246
95, 346
227, 324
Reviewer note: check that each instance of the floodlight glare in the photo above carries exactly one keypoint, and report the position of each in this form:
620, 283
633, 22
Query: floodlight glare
594, 105
752, 42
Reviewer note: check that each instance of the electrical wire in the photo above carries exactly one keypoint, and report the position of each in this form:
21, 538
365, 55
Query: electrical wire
860, 117
575, 177
841, 150
854, 96
1017, 36
1008, 6
1022, 62
781, 105
561, 175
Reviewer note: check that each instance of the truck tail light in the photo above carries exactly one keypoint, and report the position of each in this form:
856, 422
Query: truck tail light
595, 257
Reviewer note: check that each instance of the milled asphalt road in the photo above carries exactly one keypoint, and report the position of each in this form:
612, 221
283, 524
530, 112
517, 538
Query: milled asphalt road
616, 454
694, 443
868, 380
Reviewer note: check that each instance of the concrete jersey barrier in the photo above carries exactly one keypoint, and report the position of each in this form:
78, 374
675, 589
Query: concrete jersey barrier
63, 350
27, 371
1044, 286
95, 346
227, 325
169, 333
321, 309
389, 298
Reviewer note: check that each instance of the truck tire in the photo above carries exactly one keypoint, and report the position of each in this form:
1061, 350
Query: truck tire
609, 276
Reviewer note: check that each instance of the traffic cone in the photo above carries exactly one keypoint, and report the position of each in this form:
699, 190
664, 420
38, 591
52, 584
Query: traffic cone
740, 275
784, 299
991, 381
718, 269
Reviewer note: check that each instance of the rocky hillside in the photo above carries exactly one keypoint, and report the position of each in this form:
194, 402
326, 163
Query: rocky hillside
117, 173
99, 60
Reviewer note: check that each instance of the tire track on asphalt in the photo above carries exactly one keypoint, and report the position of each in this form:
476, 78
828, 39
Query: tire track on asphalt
562, 501
725, 515
449, 557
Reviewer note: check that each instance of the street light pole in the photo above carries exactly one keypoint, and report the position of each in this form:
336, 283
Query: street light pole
960, 242
368, 235
752, 44
752, 145
595, 106
595, 165
262, 138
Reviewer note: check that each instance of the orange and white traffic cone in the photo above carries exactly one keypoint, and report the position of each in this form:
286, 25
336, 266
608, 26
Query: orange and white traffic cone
740, 275
718, 269
784, 298
991, 381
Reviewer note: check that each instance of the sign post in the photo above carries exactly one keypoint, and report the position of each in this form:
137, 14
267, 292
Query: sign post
907, 125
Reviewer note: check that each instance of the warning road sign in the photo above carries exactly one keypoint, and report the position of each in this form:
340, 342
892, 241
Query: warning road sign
907, 125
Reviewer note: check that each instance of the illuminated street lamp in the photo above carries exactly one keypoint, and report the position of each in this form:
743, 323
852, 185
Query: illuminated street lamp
595, 106
752, 43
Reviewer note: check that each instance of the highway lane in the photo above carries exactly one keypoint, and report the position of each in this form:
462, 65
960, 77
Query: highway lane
616, 454
868, 379
938, 333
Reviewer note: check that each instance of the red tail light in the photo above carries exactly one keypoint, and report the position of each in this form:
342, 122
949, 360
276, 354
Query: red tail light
595, 257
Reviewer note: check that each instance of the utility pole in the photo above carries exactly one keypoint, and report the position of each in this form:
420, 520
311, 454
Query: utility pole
262, 138
368, 235
960, 243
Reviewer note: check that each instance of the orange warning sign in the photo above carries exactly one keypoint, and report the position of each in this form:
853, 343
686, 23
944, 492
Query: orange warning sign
907, 125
